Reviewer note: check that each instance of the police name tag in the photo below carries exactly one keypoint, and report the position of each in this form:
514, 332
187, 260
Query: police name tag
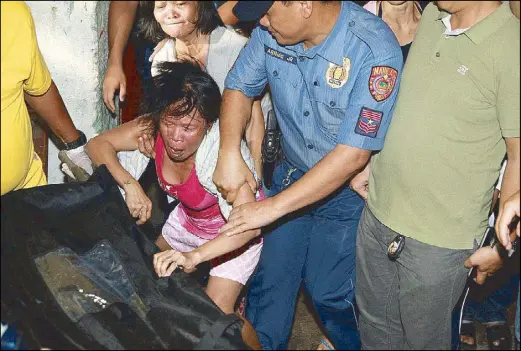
280, 55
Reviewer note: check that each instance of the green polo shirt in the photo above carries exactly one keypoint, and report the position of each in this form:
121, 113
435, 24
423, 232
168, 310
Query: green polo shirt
459, 97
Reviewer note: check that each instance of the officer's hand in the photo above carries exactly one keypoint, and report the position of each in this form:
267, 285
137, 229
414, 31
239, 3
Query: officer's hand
114, 80
507, 212
230, 175
486, 260
251, 215
360, 182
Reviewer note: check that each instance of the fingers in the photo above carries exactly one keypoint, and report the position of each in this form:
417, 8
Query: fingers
146, 145
251, 182
122, 91
480, 277
166, 262
468, 263
108, 98
502, 227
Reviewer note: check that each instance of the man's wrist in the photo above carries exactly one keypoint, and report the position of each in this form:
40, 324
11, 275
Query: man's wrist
81, 141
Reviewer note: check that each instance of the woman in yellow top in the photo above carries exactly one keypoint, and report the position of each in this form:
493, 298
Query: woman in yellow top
25, 78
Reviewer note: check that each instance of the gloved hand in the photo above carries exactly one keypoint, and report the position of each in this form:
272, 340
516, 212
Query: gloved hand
76, 163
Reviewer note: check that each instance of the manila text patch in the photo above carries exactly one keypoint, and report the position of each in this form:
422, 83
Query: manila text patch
368, 122
280, 55
382, 81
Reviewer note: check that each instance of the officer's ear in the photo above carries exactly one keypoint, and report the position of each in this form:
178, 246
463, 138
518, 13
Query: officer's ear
306, 8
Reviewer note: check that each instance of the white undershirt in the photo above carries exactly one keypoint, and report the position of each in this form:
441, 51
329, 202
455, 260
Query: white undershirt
448, 27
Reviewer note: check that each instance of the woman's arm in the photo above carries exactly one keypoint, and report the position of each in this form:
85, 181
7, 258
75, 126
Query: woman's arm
224, 244
167, 261
103, 149
254, 135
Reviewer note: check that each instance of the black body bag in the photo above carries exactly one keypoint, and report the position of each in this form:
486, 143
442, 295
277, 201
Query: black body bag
77, 274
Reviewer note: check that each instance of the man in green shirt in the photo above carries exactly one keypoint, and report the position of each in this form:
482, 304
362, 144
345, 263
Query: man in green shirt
456, 115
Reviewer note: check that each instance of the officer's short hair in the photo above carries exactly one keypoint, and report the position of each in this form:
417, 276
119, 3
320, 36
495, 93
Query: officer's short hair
286, 3
207, 20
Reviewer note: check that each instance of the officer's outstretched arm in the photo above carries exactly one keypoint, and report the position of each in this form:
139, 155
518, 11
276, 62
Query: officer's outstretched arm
231, 172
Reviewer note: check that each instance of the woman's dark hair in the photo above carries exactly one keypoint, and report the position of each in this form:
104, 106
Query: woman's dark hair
207, 20
178, 89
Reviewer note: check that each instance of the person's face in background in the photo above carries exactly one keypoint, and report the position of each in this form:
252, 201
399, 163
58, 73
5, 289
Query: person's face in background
396, 3
285, 22
182, 135
454, 6
178, 19
226, 14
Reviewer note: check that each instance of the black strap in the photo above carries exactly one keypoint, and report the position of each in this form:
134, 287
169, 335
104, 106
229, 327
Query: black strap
212, 336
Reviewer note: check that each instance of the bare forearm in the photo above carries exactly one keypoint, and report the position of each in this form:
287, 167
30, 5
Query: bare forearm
255, 135
234, 117
511, 182
121, 20
101, 152
51, 108
223, 244
325, 177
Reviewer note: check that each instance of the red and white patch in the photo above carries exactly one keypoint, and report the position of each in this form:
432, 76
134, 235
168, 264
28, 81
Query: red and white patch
382, 82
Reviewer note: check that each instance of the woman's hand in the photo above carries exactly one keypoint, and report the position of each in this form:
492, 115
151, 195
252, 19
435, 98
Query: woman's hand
167, 261
146, 145
138, 202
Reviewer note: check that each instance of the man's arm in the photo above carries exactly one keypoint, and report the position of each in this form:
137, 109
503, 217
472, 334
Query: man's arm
51, 108
510, 184
326, 176
255, 134
121, 20
322, 179
514, 6
246, 80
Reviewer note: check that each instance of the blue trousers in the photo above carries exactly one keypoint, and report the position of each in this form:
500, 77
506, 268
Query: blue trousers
316, 247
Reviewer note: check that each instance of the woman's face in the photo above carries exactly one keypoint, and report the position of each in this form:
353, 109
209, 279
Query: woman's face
176, 18
182, 135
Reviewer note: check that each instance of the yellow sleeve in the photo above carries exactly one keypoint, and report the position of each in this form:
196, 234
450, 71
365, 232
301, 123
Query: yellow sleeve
39, 79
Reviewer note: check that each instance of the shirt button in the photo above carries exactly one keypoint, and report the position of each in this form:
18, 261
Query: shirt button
438, 54
310, 146
332, 103
301, 58
351, 23
306, 113
275, 73
315, 83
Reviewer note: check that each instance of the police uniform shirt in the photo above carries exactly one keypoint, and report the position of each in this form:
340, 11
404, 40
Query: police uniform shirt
341, 91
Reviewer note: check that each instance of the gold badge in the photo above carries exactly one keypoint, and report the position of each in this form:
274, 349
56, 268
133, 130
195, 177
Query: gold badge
336, 76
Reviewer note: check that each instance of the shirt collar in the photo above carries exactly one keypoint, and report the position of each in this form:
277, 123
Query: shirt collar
329, 47
490, 24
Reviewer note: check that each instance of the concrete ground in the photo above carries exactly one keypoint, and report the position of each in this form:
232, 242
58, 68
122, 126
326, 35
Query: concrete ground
306, 333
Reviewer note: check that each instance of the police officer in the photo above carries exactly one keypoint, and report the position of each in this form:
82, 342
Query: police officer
333, 70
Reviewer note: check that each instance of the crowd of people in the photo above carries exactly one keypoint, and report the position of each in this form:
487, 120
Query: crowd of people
395, 119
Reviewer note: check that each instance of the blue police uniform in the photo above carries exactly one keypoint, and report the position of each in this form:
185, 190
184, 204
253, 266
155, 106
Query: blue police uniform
341, 91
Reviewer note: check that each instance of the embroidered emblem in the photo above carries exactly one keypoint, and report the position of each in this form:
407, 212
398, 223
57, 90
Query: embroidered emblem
280, 55
462, 70
368, 122
382, 81
336, 76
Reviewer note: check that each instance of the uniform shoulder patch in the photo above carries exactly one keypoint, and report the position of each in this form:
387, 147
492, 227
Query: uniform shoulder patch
368, 122
382, 82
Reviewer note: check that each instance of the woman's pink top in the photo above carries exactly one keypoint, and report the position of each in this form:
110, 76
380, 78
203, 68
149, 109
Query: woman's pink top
200, 213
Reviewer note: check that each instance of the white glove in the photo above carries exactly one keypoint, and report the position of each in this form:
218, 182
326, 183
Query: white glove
76, 163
